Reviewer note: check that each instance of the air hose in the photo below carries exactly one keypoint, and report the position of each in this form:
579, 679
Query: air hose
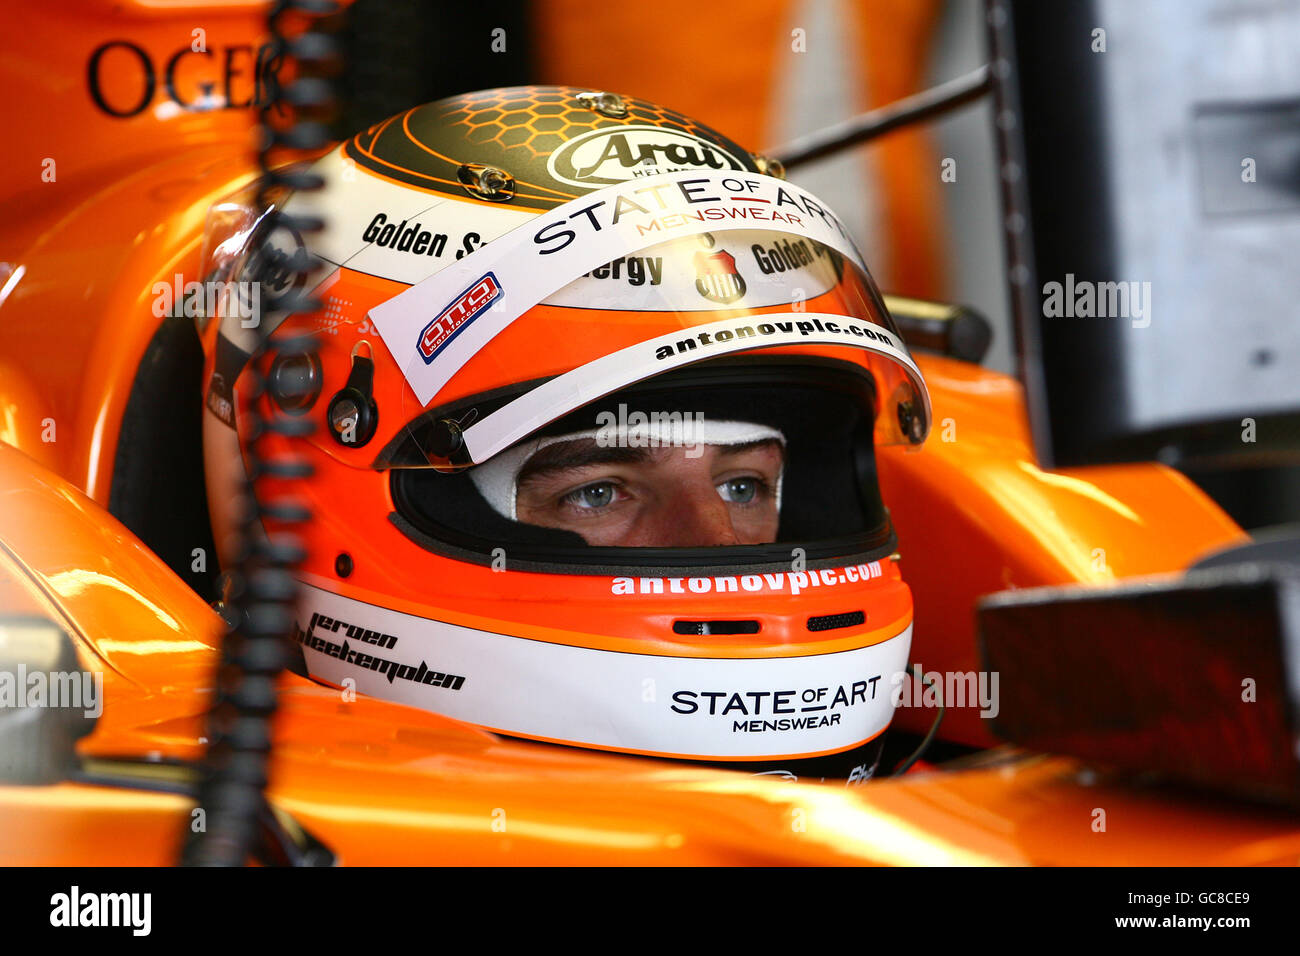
263, 588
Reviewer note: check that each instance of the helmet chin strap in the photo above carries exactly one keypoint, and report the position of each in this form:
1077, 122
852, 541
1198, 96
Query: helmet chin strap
497, 479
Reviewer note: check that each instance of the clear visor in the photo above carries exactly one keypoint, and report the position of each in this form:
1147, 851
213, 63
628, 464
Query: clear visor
718, 295
248, 269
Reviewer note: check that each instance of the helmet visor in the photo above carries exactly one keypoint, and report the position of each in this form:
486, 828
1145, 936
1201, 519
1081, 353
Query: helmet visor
671, 305
768, 345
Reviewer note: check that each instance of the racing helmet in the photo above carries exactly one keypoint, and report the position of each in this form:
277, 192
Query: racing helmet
550, 316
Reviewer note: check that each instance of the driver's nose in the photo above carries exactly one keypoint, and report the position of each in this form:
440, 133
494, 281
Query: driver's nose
695, 517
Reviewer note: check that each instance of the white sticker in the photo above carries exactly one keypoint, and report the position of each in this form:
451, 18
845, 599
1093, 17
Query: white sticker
739, 269
543, 255
745, 708
392, 230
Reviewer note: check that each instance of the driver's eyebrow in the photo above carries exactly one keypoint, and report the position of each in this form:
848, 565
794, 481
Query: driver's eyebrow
726, 450
571, 455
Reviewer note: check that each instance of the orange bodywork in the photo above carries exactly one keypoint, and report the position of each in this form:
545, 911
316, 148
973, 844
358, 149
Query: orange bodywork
975, 515
381, 783
385, 784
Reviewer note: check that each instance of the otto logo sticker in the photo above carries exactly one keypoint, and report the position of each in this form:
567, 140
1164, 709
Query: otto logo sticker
471, 303
617, 154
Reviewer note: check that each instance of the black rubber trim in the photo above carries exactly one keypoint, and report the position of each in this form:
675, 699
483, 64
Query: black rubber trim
683, 562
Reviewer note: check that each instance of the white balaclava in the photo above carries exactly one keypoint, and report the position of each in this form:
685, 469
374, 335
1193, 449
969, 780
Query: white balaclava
497, 479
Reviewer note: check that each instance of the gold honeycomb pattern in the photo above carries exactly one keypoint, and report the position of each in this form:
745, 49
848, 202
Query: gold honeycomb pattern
532, 117
516, 128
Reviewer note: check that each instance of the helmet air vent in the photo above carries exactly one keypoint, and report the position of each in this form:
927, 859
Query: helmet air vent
715, 627
829, 622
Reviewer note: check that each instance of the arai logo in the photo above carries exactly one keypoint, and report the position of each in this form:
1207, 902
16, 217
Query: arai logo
616, 154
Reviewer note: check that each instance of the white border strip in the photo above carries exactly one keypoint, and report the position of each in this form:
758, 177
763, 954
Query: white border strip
745, 708
607, 374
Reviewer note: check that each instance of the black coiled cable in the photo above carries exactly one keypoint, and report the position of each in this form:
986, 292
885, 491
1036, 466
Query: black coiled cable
263, 588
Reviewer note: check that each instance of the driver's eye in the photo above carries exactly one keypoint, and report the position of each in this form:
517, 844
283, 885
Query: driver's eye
739, 491
596, 495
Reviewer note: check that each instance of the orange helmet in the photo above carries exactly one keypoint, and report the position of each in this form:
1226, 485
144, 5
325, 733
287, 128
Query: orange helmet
528, 294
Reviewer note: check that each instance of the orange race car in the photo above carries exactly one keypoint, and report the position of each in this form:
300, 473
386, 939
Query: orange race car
624, 526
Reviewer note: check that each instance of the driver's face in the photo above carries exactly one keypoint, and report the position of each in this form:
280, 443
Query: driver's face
654, 497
